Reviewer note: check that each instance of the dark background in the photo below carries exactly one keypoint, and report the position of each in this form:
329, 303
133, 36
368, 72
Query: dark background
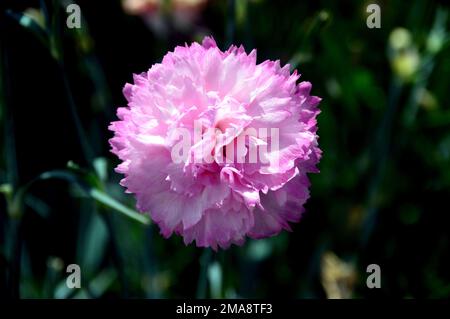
381, 197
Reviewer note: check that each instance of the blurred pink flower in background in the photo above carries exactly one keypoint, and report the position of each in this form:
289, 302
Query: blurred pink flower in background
160, 15
217, 204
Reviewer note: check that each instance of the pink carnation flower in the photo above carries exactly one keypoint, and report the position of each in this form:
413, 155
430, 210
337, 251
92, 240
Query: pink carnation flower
217, 203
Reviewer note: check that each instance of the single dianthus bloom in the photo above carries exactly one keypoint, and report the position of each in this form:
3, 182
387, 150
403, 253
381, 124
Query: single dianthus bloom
187, 142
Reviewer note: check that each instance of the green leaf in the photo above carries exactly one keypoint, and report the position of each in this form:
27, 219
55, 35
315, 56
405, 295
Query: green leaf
59, 174
102, 282
93, 239
215, 279
96, 288
62, 291
101, 168
114, 204
94, 193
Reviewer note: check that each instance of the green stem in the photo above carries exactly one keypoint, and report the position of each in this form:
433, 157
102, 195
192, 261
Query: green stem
14, 216
202, 286
103, 198
8, 122
412, 105
85, 146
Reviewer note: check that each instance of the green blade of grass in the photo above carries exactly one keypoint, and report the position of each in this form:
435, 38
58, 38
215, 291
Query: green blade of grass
117, 206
